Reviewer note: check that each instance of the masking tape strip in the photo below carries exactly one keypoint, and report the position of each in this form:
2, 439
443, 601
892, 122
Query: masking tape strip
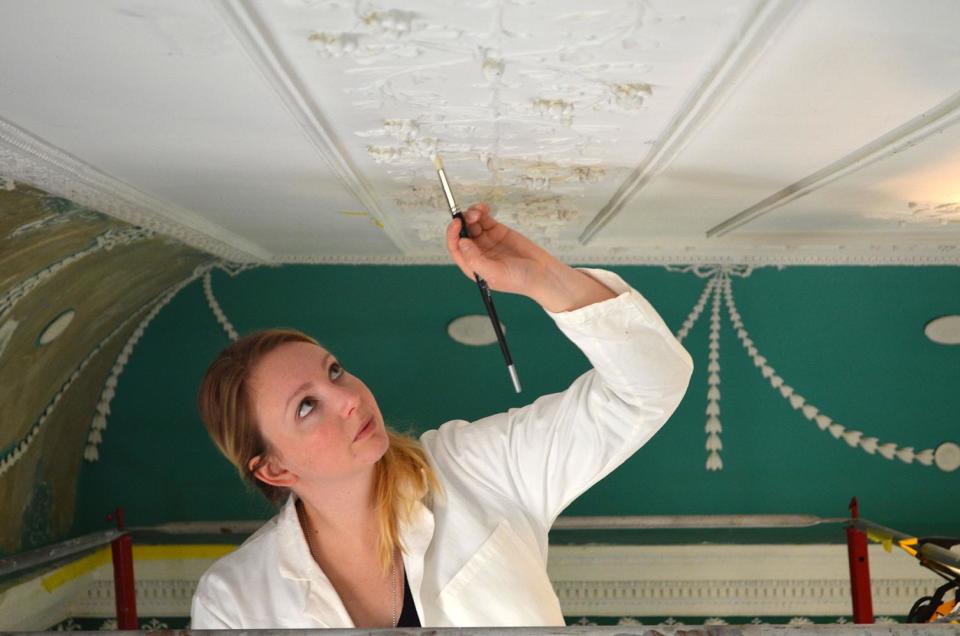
103, 556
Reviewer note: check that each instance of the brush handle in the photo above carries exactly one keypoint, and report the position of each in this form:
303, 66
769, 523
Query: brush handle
491, 310
463, 224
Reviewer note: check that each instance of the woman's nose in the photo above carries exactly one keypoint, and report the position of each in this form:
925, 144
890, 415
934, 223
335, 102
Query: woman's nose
348, 400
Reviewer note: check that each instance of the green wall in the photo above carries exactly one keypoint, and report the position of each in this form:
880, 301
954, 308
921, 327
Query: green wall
849, 339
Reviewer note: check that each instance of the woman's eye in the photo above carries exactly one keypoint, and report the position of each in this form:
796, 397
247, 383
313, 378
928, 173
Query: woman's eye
306, 406
335, 370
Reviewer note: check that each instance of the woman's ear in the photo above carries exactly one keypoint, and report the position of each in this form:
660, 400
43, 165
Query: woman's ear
269, 471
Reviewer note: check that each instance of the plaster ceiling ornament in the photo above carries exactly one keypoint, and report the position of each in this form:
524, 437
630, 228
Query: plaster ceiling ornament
946, 456
98, 424
512, 87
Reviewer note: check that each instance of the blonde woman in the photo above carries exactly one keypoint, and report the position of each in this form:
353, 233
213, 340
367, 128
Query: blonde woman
379, 530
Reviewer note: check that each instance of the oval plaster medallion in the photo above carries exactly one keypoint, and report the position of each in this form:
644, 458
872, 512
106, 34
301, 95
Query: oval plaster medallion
474, 330
947, 457
56, 327
944, 330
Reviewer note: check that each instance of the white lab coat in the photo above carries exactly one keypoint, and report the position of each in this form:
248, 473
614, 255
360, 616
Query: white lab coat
479, 557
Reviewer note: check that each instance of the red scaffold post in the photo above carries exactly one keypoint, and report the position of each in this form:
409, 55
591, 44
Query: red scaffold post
859, 569
124, 592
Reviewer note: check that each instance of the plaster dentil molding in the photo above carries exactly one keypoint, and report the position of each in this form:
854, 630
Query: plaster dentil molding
31, 160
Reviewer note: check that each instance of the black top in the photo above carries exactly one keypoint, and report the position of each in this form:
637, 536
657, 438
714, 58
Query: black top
408, 617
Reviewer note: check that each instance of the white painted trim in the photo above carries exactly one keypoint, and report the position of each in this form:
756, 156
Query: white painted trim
29, 159
901, 138
254, 39
763, 21
593, 580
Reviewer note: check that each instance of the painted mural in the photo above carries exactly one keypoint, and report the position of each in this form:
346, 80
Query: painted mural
73, 287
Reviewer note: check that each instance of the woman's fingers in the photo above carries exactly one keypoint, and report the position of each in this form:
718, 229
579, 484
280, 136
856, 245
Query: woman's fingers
453, 246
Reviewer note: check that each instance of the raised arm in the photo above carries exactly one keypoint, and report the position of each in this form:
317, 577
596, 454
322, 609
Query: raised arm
510, 262
544, 455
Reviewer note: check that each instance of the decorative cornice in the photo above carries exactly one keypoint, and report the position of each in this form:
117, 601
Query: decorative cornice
877, 255
254, 38
29, 159
901, 138
753, 35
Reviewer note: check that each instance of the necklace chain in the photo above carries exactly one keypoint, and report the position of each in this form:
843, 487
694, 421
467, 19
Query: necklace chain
393, 581
308, 533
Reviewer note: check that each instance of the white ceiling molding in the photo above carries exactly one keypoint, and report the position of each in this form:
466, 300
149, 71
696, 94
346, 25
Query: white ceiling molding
31, 160
256, 42
900, 139
761, 24
834, 250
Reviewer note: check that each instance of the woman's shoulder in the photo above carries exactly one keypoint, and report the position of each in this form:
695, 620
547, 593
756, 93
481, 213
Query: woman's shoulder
257, 550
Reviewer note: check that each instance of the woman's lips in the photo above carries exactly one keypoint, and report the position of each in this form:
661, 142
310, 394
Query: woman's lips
365, 431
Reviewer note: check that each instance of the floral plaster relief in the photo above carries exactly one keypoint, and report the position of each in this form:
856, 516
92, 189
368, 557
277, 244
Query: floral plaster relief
543, 108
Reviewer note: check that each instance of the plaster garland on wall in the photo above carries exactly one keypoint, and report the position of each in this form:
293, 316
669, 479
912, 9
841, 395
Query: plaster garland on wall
216, 309
946, 456
713, 427
13, 453
98, 424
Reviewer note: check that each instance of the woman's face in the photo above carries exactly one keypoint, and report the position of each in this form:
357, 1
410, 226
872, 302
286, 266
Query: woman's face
322, 423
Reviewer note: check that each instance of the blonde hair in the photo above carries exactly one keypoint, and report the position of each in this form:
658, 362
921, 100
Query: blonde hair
403, 476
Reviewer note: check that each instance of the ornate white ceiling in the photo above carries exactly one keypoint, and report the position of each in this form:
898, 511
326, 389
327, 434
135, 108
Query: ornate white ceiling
622, 131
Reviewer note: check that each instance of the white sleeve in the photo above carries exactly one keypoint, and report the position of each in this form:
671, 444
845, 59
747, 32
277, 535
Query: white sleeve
203, 616
547, 453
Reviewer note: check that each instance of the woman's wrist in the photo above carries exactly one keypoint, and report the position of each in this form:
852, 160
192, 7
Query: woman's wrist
567, 289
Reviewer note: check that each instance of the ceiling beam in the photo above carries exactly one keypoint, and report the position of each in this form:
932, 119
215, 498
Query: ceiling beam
280, 75
901, 138
764, 19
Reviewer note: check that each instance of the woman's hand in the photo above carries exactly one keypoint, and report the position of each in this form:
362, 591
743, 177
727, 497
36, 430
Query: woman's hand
510, 262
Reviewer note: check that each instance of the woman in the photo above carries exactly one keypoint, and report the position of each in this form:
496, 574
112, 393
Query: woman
451, 530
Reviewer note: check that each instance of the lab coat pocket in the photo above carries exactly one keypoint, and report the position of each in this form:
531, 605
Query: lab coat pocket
503, 584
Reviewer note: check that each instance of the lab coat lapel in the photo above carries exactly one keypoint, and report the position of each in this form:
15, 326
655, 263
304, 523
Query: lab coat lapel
416, 537
322, 603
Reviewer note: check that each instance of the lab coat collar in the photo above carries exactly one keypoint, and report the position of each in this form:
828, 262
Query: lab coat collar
416, 537
323, 603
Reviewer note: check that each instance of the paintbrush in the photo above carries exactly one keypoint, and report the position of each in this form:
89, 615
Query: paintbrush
482, 284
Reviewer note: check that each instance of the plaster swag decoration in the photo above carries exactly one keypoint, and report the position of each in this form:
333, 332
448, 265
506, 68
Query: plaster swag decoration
13, 453
946, 456
98, 425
